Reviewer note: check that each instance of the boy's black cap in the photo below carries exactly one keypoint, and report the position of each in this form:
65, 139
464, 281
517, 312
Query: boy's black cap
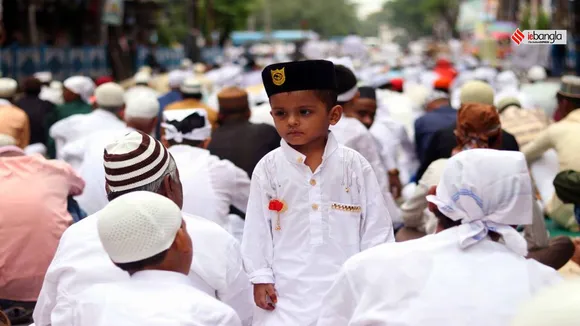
299, 76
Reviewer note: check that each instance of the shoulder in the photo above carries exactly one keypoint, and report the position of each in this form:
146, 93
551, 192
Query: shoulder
201, 228
268, 161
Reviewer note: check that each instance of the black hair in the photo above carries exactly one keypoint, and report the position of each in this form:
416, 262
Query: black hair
328, 97
368, 92
32, 86
441, 89
197, 96
188, 142
142, 264
445, 221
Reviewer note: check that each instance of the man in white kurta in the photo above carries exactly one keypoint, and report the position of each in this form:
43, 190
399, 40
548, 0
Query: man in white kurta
110, 101
332, 214
210, 185
157, 256
80, 260
459, 276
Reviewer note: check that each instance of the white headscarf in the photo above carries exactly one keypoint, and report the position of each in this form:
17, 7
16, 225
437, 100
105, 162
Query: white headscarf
487, 190
80, 85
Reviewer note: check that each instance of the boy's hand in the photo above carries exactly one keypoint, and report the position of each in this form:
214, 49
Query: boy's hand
265, 296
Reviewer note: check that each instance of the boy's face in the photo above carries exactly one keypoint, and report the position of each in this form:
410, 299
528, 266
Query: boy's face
301, 117
365, 110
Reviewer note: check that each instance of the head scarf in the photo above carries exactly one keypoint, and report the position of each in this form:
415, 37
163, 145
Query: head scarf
478, 126
487, 190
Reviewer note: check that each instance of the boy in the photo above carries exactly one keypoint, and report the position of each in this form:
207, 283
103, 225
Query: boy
313, 203
145, 235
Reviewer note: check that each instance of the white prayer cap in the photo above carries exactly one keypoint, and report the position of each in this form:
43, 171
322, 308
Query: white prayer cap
176, 78
80, 85
7, 140
145, 69
476, 91
537, 73
191, 85
142, 77
8, 87
138, 225
487, 190
199, 68
144, 106
506, 79
191, 124
55, 84
43, 76
554, 306
133, 161
436, 95
186, 63
110, 95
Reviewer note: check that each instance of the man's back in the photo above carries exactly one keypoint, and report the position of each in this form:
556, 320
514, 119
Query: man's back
81, 261
38, 112
244, 143
33, 197
169, 298
431, 281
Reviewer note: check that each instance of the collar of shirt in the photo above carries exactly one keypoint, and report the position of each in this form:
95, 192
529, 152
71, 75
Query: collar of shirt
294, 156
161, 277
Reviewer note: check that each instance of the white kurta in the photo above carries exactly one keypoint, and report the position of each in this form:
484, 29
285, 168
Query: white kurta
78, 126
431, 281
150, 297
332, 214
210, 185
92, 147
81, 261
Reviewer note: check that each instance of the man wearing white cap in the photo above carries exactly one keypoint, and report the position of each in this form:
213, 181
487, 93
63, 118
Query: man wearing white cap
140, 115
142, 86
110, 104
472, 272
48, 93
157, 256
13, 120
175, 79
132, 163
540, 92
192, 94
210, 185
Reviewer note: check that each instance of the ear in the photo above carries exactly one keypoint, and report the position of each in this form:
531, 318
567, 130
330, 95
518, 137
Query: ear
181, 242
335, 114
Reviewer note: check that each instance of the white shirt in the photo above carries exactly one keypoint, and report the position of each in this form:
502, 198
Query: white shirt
332, 214
94, 198
210, 185
150, 297
431, 281
80, 261
81, 125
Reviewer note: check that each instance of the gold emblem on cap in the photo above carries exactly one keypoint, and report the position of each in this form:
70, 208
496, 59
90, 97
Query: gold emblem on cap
278, 76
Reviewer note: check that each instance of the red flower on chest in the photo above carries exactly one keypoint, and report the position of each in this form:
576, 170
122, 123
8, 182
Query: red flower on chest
276, 205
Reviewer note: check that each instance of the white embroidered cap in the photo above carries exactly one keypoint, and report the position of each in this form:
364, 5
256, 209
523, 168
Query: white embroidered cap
8, 87
43, 76
191, 85
80, 85
176, 78
191, 124
133, 161
138, 225
142, 77
487, 190
144, 106
110, 95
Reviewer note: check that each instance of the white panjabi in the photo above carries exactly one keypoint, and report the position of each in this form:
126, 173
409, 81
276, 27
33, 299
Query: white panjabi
172, 133
110, 95
146, 107
557, 305
138, 225
80, 85
123, 172
8, 87
487, 190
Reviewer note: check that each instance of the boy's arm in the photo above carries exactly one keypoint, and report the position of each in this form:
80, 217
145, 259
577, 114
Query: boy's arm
376, 225
257, 244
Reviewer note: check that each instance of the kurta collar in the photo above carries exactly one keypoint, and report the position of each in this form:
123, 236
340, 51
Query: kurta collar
294, 156
160, 276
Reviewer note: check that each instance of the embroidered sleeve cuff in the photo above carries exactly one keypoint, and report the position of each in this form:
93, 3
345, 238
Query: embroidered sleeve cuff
262, 276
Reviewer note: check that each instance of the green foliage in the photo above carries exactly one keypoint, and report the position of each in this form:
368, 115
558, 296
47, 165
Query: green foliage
326, 17
417, 17
526, 19
542, 21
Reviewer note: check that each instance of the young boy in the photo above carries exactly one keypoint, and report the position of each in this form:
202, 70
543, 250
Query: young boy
313, 203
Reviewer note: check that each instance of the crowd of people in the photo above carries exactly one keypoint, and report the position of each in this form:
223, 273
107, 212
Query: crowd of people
318, 192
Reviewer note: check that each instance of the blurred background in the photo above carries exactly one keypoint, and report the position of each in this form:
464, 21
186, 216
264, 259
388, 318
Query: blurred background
103, 37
